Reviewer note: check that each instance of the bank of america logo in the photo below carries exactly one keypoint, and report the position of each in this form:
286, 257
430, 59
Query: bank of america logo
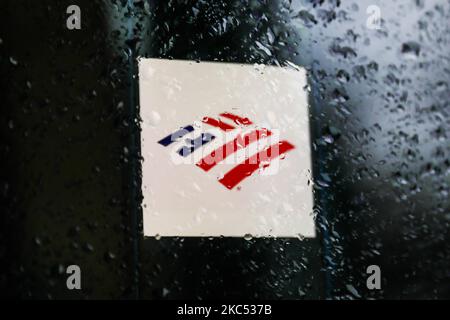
260, 147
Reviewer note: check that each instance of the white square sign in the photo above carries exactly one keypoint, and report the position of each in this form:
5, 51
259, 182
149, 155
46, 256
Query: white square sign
226, 150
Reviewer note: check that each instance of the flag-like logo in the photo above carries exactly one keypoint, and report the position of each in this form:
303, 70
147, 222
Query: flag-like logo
243, 133
225, 150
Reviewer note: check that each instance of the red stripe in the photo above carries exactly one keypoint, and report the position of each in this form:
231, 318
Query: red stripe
217, 123
245, 169
238, 120
231, 147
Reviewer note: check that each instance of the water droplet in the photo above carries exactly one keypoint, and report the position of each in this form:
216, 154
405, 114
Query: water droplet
411, 50
300, 237
248, 237
154, 118
13, 61
353, 291
89, 247
37, 241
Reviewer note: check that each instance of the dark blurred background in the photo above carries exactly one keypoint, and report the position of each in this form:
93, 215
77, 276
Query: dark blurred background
70, 185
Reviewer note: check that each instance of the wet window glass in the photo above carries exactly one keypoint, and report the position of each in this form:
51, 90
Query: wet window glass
288, 149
